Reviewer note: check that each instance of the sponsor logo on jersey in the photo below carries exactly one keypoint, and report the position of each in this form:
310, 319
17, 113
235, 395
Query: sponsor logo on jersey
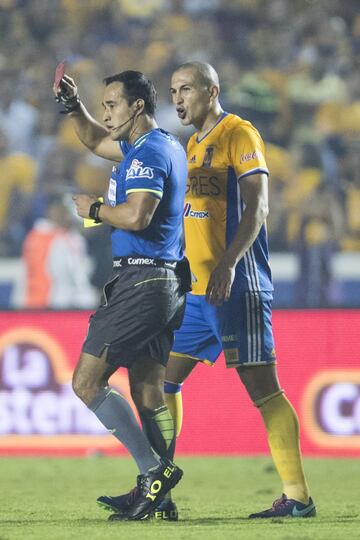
227, 339
199, 185
250, 156
136, 170
140, 260
197, 214
193, 159
209, 152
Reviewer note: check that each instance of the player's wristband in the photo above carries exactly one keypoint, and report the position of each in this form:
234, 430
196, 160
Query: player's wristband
94, 211
71, 105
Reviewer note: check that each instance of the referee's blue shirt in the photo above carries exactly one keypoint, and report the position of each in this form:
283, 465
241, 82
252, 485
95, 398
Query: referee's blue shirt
155, 163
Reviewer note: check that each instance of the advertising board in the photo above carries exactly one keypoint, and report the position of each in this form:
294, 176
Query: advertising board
319, 368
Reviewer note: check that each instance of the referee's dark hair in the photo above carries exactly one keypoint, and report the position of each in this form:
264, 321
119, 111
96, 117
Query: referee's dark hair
136, 86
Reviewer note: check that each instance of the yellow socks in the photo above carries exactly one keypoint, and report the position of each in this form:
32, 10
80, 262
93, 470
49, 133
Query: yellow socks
282, 427
173, 399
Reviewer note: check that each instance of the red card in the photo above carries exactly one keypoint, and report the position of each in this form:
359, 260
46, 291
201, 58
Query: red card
59, 73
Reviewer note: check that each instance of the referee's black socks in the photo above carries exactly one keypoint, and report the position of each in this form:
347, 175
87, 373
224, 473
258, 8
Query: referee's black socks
158, 426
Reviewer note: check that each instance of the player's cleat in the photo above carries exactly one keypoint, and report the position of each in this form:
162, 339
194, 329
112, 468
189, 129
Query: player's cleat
152, 487
150, 491
166, 510
122, 516
285, 507
120, 503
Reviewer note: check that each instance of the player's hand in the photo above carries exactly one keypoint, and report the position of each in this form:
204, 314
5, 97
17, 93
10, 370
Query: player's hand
67, 94
83, 203
67, 89
220, 283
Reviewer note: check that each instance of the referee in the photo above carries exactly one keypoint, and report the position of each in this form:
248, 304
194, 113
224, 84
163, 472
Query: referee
143, 302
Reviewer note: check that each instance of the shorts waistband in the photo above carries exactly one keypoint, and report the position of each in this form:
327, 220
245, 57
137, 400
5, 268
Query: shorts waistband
120, 262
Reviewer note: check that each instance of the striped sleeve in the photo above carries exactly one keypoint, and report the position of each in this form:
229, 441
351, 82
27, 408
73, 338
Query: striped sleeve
247, 152
147, 173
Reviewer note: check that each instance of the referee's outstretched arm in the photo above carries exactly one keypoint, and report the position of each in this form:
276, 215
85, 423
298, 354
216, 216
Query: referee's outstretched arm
90, 132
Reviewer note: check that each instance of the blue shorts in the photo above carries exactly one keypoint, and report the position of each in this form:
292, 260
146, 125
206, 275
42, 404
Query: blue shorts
241, 327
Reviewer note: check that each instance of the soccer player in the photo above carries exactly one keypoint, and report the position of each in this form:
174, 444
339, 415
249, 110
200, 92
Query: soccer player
143, 302
229, 308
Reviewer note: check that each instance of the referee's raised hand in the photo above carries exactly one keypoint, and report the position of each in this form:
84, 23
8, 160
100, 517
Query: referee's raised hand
67, 93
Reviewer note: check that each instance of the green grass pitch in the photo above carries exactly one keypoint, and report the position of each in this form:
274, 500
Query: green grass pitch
54, 499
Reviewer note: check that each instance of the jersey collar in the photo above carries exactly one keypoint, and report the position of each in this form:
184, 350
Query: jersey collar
214, 126
141, 137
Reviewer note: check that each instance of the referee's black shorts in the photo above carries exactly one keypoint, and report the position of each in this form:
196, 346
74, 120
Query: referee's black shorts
141, 307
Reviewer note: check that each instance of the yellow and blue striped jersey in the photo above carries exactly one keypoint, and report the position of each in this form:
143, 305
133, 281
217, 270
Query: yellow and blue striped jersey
232, 150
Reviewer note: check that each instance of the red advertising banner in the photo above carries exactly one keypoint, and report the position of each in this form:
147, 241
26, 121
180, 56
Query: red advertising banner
319, 367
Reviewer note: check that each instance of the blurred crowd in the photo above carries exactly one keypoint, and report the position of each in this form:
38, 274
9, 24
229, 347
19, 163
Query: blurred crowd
289, 66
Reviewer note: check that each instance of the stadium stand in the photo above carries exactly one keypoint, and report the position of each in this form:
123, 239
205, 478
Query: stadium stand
301, 90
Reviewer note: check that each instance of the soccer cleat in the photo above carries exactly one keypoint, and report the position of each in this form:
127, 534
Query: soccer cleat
120, 504
122, 516
166, 510
150, 491
285, 507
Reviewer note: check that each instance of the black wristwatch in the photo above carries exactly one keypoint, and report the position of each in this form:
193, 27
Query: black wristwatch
94, 211
70, 104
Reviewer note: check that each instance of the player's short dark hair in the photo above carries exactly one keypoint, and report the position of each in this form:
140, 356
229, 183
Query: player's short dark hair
136, 86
